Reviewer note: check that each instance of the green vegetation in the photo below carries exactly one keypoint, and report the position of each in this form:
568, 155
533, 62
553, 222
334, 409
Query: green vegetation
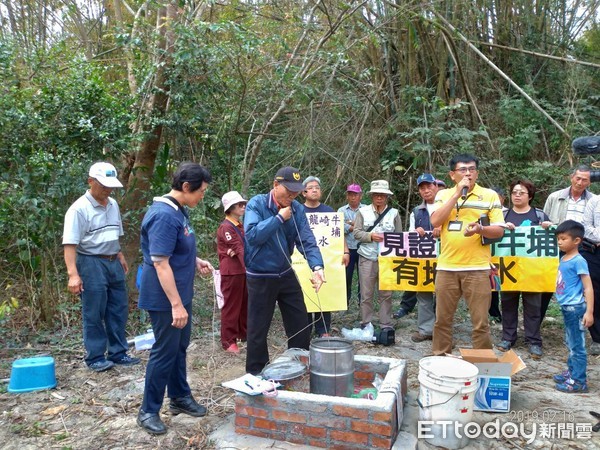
345, 90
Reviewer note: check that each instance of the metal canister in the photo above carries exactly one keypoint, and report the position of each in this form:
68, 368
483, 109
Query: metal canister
332, 367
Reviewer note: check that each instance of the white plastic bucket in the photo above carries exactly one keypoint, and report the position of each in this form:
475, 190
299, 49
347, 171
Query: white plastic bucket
447, 393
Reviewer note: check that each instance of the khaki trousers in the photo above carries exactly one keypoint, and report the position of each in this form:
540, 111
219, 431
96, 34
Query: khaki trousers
368, 275
474, 287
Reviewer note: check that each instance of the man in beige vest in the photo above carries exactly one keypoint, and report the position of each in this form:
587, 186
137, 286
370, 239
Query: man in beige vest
369, 234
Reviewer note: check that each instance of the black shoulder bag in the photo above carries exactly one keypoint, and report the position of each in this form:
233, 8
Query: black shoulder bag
381, 216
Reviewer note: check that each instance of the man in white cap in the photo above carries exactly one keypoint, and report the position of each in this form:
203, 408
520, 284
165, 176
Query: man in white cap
369, 225
230, 247
97, 268
349, 210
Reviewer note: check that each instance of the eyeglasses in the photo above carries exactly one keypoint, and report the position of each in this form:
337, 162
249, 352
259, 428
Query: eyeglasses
517, 193
241, 204
466, 169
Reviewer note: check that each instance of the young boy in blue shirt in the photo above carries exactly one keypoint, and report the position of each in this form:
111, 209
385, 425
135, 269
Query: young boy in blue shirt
575, 295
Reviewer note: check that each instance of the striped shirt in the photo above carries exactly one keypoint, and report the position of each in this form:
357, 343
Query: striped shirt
94, 228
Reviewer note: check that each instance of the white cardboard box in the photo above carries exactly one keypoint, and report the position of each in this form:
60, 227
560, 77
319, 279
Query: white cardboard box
495, 375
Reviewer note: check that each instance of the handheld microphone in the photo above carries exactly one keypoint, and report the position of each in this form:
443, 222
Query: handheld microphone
463, 193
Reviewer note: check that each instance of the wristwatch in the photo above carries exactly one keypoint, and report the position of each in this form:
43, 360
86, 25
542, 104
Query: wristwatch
317, 268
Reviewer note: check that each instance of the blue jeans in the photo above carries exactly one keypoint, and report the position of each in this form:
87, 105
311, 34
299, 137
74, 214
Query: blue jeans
104, 306
575, 341
166, 367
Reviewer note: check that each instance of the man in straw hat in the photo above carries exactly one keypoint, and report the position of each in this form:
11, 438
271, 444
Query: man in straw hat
369, 225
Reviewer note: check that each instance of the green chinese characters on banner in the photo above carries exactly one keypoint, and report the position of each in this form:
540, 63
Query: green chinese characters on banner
526, 258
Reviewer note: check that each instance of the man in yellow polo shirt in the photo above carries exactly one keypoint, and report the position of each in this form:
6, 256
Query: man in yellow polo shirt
464, 262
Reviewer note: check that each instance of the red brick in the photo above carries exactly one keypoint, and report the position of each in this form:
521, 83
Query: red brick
252, 412
265, 424
316, 432
371, 428
242, 421
317, 443
368, 376
349, 436
288, 417
382, 417
348, 411
377, 442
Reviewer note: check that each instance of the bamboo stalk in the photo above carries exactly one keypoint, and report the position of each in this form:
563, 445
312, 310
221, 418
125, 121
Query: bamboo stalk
502, 74
541, 55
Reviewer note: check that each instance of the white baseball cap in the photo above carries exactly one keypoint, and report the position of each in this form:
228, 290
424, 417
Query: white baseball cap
106, 174
231, 198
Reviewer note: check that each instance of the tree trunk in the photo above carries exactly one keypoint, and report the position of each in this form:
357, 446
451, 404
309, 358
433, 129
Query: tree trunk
138, 183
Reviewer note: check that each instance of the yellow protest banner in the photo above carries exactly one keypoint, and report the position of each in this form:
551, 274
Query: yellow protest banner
328, 229
526, 258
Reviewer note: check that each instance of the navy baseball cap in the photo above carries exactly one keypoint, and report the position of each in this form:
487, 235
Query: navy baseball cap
290, 178
425, 178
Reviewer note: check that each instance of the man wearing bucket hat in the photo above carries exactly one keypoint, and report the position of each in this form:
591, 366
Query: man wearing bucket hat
274, 224
369, 225
463, 266
97, 268
230, 247
349, 210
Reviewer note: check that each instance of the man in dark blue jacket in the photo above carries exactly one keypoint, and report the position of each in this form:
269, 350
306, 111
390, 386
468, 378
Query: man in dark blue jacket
274, 224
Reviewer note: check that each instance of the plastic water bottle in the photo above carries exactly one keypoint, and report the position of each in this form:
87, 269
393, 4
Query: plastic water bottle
582, 327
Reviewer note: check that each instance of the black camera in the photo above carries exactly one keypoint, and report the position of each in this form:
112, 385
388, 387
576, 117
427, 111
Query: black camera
588, 145
386, 337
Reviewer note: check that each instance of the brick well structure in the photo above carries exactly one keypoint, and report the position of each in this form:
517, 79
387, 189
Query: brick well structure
328, 421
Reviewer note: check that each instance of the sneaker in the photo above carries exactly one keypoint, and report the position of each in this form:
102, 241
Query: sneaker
400, 313
101, 366
418, 337
535, 351
595, 348
233, 348
562, 377
571, 386
503, 346
126, 360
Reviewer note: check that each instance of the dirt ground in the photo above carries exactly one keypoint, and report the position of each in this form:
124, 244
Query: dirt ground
91, 410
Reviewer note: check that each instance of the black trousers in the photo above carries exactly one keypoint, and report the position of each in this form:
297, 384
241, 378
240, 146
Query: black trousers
166, 367
409, 301
531, 316
494, 310
263, 293
593, 260
350, 268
